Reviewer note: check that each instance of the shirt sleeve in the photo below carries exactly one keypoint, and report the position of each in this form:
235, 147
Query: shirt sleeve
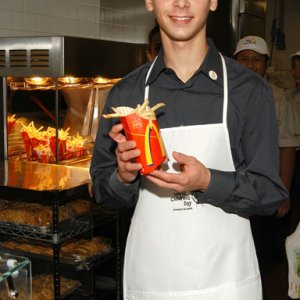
107, 189
255, 187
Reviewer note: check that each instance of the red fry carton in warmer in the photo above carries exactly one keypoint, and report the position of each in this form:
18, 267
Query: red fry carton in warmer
75, 146
44, 153
61, 140
29, 135
28, 146
140, 124
11, 121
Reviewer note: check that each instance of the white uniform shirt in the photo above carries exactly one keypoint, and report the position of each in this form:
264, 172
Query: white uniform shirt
289, 118
286, 118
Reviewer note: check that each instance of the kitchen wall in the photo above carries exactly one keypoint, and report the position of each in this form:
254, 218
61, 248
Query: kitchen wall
279, 72
125, 20
122, 20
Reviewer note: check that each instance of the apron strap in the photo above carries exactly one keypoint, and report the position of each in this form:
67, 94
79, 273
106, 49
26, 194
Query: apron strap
225, 87
225, 91
146, 96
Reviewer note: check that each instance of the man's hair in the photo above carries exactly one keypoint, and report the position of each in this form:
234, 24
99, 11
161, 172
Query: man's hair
151, 34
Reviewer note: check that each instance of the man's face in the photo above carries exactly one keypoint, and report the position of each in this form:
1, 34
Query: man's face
181, 20
295, 70
254, 61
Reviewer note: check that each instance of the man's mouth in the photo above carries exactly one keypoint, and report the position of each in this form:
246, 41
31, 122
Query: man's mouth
181, 19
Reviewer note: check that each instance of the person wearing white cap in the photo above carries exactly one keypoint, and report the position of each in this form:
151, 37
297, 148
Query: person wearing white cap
293, 94
270, 232
253, 52
293, 99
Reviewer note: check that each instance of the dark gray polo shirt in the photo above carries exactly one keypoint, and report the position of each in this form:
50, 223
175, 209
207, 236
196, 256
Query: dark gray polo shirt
255, 186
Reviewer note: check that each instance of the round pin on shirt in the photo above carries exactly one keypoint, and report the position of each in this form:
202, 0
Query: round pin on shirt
213, 75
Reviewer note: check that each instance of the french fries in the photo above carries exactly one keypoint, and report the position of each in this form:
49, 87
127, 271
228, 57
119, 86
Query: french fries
11, 119
39, 142
144, 111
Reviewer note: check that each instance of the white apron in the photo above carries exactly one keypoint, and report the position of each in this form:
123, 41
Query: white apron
180, 250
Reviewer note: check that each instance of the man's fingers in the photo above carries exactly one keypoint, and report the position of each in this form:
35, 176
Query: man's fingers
163, 184
126, 146
129, 155
116, 135
182, 159
169, 178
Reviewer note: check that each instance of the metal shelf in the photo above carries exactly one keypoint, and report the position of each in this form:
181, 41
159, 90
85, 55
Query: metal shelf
68, 230
64, 231
80, 265
100, 295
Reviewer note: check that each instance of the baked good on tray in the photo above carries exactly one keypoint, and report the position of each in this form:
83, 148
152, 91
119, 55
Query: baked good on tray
39, 215
75, 250
43, 288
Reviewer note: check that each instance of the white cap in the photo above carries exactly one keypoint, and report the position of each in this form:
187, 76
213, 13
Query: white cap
254, 43
294, 55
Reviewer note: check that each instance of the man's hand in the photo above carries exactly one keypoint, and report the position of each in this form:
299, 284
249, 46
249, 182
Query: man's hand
126, 152
193, 176
284, 208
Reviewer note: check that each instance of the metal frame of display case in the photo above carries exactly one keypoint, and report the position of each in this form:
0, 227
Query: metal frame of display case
59, 232
59, 56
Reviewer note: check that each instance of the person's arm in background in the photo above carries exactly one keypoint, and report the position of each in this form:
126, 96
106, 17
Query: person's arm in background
287, 165
286, 120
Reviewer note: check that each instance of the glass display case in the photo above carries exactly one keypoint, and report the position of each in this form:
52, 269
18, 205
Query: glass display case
54, 120
15, 277
53, 90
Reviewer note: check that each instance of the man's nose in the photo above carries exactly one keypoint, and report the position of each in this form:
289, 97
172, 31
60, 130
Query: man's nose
181, 3
250, 64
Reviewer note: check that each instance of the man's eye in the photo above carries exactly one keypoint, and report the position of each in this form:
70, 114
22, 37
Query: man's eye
242, 59
257, 59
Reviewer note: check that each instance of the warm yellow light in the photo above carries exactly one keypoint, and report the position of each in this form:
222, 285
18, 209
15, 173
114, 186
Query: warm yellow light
69, 79
37, 80
101, 80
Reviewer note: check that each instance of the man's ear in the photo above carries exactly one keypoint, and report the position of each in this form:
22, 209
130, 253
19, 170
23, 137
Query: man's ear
213, 5
149, 5
148, 55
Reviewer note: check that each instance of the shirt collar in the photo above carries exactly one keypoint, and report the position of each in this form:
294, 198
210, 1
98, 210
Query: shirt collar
211, 66
158, 67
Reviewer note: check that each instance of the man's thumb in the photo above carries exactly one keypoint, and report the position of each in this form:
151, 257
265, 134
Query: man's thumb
179, 157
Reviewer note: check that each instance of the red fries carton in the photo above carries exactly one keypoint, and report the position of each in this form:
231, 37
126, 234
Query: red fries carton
140, 125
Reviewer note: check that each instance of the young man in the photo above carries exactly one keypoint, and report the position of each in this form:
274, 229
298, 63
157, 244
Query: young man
253, 53
190, 236
270, 232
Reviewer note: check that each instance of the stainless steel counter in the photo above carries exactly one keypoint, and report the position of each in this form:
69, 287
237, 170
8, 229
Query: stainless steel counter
41, 177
